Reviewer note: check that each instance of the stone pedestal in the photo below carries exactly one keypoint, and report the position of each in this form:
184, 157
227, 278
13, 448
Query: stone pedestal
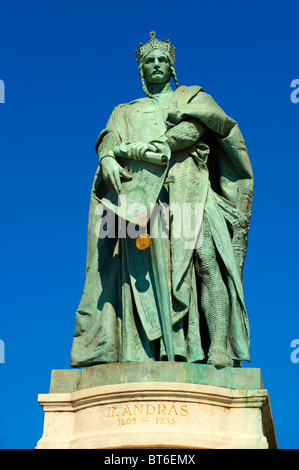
156, 405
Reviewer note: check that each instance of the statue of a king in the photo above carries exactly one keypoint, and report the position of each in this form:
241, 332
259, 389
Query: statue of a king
150, 297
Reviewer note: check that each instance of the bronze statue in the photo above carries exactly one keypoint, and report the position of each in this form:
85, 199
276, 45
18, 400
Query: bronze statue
155, 297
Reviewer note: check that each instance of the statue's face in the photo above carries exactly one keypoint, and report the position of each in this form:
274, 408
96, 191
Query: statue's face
156, 68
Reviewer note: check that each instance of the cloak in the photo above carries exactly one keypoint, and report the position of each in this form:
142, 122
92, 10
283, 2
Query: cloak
117, 317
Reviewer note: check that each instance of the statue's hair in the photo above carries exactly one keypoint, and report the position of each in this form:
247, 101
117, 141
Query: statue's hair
173, 74
144, 87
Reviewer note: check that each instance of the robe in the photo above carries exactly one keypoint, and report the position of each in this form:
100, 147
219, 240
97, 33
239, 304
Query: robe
117, 319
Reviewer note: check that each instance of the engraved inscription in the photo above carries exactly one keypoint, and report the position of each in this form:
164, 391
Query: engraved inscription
158, 413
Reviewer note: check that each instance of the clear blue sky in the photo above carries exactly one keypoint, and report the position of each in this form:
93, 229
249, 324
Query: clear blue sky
65, 65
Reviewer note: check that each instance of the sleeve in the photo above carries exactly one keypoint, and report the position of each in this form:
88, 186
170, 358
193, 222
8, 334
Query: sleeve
109, 137
184, 135
107, 144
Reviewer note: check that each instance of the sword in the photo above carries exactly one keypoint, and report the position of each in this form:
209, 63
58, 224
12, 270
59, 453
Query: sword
158, 256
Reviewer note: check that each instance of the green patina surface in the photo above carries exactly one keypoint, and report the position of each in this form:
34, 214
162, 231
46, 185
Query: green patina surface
70, 380
182, 298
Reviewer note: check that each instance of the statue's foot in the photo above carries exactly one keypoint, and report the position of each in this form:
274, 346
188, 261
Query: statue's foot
218, 357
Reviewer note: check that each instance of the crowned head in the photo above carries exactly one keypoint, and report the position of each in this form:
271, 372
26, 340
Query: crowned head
156, 62
155, 43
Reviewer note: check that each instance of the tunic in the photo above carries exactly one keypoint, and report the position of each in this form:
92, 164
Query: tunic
118, 316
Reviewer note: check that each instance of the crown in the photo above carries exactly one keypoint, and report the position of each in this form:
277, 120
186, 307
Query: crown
155, 43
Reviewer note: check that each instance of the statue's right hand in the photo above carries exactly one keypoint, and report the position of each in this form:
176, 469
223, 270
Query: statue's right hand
112, 172
134, 150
